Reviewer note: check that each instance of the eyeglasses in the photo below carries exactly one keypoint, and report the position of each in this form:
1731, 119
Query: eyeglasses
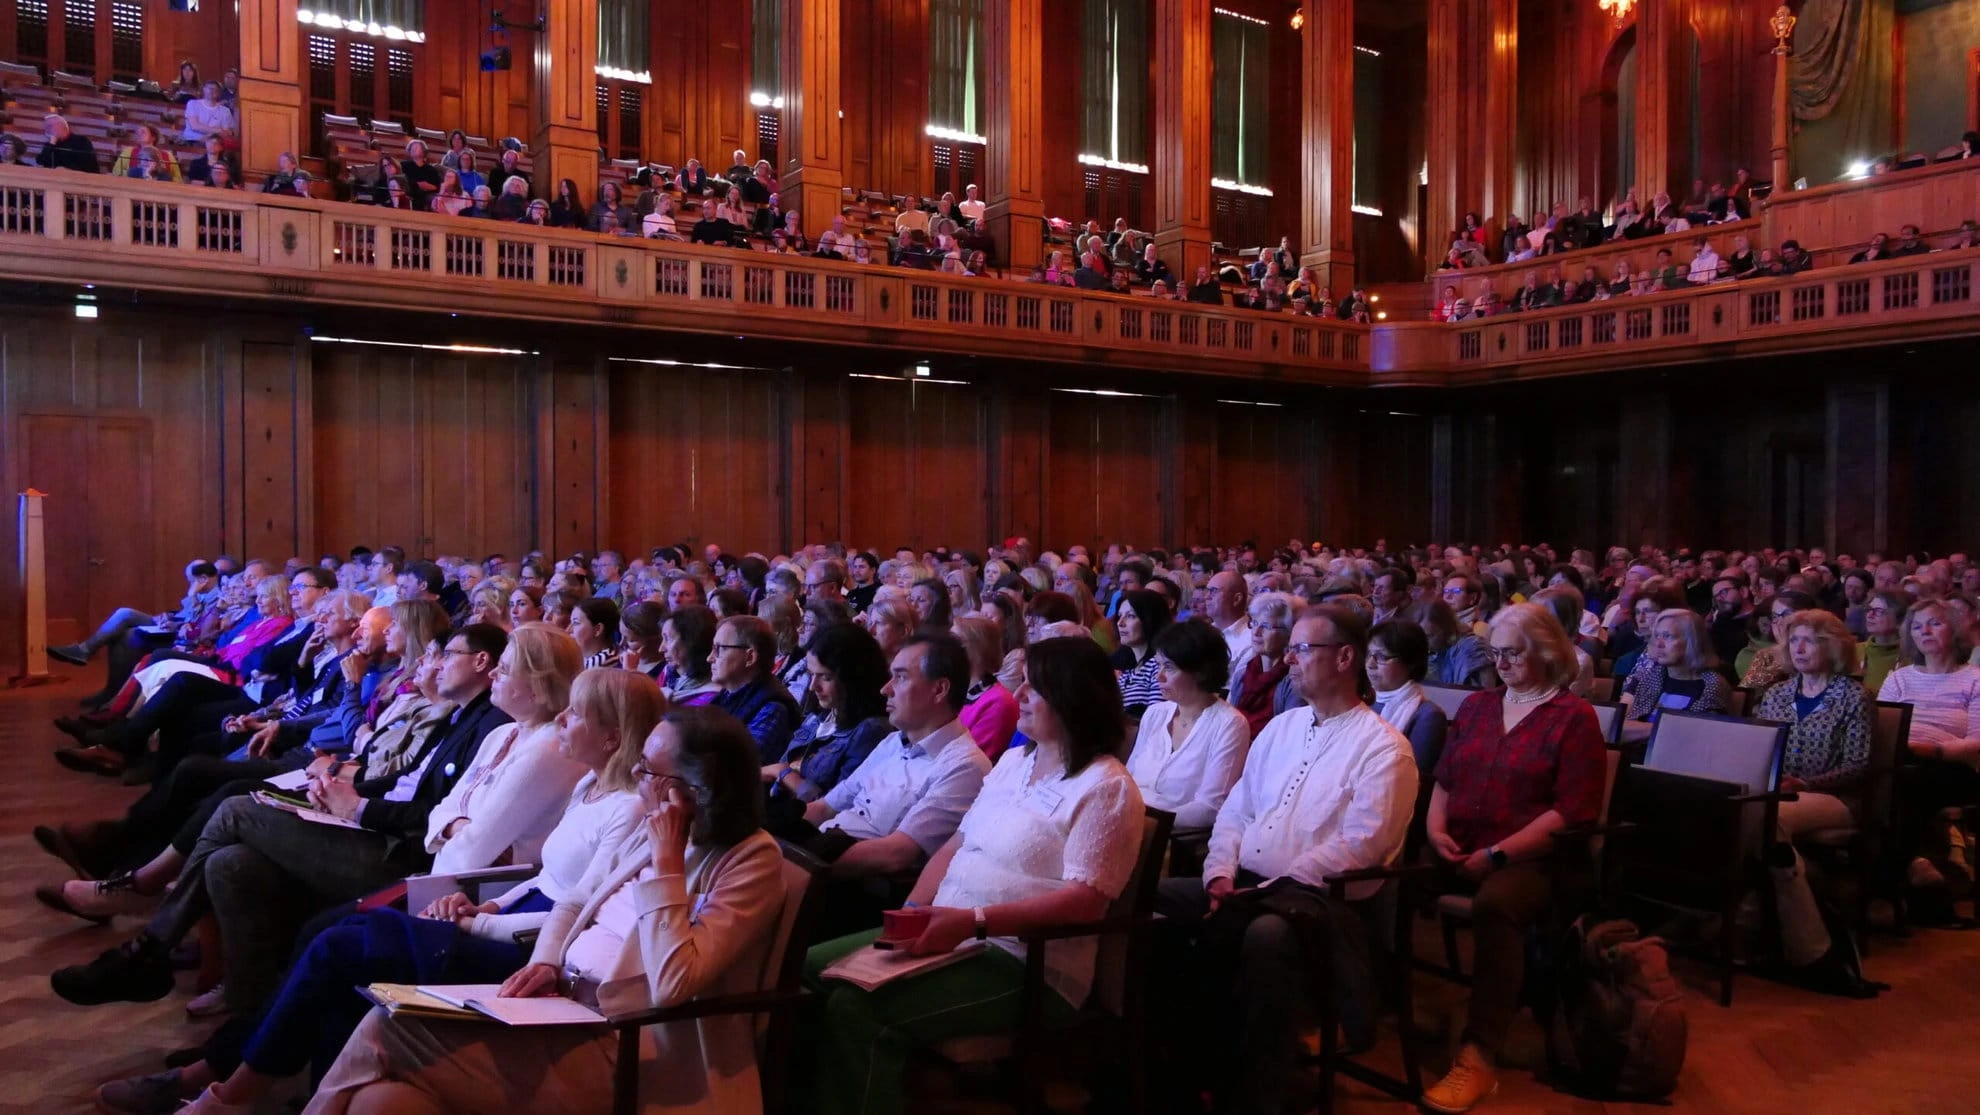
1260, 626
1505, 654
731, 646
641, 770
1302, 649
450, 652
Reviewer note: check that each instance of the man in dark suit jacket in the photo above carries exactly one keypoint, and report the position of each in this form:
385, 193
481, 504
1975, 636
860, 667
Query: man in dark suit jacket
291, 866
65, 150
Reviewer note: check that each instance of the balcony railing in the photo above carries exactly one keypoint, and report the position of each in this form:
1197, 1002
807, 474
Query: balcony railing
58, 225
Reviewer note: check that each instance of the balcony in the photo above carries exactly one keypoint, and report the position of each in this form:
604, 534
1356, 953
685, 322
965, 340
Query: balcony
61, 227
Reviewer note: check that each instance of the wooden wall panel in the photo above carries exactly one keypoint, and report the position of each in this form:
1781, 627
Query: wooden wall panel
885, 95
1065, 191
1104, 471
450, 90
917, 464
698, 457
698, 105
270, 518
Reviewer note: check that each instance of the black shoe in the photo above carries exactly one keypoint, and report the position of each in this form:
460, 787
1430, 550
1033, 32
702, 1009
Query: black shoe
73, 654
137, 971
95, 759
77, 728
83, 859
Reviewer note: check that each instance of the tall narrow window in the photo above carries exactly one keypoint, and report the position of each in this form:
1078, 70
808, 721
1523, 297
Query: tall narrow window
79, 36
766, 54
127, 38
399, 84
623, 42
1114, 84
1240, 108
1369, 127
955, 70
385, 19
363, 67
31, 31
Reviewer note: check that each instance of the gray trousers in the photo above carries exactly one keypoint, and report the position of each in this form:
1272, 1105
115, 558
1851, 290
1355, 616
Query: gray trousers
262, 873
1263, 977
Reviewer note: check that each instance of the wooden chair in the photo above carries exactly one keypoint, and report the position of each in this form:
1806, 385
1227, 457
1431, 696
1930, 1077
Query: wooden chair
1110, 1029
1602, 689
780, 995
1866, 851
1393, 909
1609, 716
1446, 697
1741, 700
1702, 807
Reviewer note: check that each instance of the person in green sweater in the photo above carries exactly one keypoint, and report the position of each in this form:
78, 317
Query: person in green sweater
1878, 653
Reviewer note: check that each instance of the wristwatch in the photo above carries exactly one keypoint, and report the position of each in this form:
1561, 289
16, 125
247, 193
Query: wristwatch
982, 924
1497, 856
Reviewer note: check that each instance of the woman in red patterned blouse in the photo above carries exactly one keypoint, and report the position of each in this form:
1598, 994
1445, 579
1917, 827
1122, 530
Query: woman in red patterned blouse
1519, 764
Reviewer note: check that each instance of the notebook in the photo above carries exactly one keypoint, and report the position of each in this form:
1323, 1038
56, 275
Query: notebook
404, 998
485, 999
869, 968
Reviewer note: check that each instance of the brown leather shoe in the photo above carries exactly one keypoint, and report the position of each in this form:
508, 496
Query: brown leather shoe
95, 759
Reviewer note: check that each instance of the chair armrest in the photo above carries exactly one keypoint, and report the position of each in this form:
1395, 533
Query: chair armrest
1770, 795
753, 1002
1590, 832
1189, 835
1337, 885
1133, 923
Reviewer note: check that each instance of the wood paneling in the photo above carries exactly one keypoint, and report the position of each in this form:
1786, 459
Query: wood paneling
916, 464
451, 90
886, 96
698, 104
697, 456
1103, 470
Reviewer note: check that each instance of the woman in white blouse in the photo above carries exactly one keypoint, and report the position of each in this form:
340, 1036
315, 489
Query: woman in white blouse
454, 939
1944, 695
1191, 744
514, 792
686, 907
1052, 840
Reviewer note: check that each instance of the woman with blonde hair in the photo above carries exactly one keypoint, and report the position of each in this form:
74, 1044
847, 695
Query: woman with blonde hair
1677, 671
964, 592
891, 620
989, 711
1519, 764
489, 603
1944, 694
451, 939
515, 789
1828, 753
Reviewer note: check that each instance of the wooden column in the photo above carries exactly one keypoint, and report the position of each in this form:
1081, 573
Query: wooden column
1182, 134
271, 104
1782, 25
1643, 459
1327, 128
565, 107
1015, 37
1663, 90
1496, 38
1444, 202
813, 141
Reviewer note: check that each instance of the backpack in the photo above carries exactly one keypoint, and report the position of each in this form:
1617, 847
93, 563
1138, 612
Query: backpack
1618, 1028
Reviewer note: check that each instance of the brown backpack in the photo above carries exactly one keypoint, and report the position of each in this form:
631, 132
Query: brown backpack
1618, 1028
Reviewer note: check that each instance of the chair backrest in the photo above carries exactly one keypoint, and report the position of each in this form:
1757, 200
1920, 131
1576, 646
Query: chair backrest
1114, 977
1602, 689
1738, 701
1890, 737
1446, 697
1746, 753
1613, 761
783, 969
1609, 717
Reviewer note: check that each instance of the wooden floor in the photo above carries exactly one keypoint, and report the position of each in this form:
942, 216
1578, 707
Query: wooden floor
1776, 1050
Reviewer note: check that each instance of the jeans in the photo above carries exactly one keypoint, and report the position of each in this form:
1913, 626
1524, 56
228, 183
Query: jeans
113, 629
1504, 909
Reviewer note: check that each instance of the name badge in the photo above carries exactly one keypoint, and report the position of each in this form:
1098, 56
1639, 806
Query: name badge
1046, 801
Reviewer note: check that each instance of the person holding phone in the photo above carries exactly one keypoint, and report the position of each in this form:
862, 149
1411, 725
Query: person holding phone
685, 907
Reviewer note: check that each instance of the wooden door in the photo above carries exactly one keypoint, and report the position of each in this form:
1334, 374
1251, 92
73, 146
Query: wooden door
118, 518
55, 461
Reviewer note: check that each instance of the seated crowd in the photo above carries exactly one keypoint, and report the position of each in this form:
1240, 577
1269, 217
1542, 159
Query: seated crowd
971, 736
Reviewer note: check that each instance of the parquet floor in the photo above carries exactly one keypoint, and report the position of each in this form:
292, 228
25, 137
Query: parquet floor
1777, 1050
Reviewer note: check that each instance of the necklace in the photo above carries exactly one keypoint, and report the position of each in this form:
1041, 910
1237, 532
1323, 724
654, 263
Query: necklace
1516, 698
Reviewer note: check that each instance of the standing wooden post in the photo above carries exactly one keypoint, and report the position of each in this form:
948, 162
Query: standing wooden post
1783, 28
34, 595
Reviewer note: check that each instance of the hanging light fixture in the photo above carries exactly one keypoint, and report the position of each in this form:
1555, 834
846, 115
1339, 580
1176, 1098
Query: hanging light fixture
1618, 9
1299, 17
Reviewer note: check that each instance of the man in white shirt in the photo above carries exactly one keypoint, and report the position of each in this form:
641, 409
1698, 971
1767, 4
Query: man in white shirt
1327, 788
905, 800
1226, 603
836, 241
1704, 263
972, 206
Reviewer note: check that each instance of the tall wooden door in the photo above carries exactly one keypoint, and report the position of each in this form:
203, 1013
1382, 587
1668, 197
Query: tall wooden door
97, 474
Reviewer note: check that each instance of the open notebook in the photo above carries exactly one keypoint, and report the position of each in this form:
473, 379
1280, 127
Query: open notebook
869, 968
484, 999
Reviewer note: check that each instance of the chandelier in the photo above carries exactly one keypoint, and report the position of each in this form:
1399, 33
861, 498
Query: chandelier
1618, 9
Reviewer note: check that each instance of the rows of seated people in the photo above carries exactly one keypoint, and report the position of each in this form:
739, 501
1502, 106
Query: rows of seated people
969, 738
1557, 230
1705, 267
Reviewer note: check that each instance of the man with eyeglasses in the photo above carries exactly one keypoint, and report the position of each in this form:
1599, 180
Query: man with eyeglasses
607, 570
1461, 592
825, 579
745, 651
1328, 787
1732, 608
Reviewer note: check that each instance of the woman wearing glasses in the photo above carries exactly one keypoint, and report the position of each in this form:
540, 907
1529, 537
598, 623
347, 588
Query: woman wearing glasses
1255, 689
453, 940
1679, 671
1878, 653
1457, 657
685, 907
1769, 664
1520, 764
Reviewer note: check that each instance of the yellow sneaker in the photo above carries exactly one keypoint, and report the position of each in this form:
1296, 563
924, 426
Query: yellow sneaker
1470, 1081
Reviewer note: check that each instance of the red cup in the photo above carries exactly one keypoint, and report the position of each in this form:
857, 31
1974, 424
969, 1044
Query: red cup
904, 925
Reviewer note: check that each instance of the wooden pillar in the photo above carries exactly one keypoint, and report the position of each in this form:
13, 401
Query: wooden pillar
1443, 133
1857, 457
1472, 57
1497, 41
271, 102
1782, 25
1182, 135
813, 142
1014, 32
1663, 90
566, 106
1327, 129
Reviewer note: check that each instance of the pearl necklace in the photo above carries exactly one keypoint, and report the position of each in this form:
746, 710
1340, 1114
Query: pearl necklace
1513, 698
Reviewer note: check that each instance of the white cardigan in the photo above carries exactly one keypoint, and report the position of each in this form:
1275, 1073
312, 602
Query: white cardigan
1193, 779
587, 828
513, 794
